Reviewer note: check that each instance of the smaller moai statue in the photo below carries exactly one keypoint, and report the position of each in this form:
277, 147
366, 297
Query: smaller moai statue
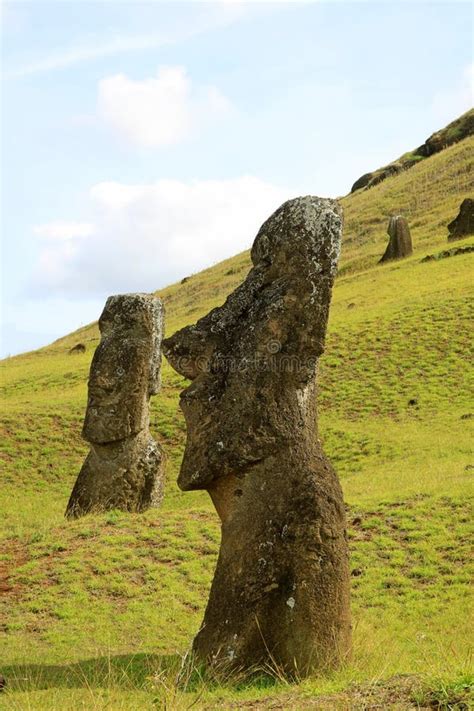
124, 468
463, 224
399, 244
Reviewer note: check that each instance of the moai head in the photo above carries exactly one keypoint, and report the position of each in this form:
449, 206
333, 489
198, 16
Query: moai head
125, 369
399, 244
252, 361
463, 224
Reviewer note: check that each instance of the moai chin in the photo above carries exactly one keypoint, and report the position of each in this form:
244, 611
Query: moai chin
124, 468
280, 594
399, 243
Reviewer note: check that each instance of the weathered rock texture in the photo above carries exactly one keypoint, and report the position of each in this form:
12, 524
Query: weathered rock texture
124, 468
280, 593
399, 244
463, 224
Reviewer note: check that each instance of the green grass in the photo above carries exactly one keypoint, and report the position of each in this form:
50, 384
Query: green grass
98, 613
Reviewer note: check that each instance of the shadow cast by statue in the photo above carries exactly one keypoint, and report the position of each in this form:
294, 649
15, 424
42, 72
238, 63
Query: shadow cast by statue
169, 672
127, 670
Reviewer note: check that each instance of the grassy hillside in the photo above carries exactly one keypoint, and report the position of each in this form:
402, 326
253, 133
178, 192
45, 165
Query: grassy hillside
98, 613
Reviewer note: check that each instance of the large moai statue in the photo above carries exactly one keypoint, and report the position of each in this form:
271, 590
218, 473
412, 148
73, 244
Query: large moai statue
399, 244
280, 594
124, 468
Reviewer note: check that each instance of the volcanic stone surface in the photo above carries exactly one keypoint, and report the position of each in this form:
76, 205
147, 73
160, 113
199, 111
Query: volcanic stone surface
280, 593
399, 245
463, 224
124, 468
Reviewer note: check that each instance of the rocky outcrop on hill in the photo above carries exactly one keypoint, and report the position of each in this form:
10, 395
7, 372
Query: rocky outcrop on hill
453, 252
362, 182
280, 594
463, 224
124, 468
456, 131
399, 243
78, 348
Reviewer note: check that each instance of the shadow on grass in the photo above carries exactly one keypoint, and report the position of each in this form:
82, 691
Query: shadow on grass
128, 671
131, 671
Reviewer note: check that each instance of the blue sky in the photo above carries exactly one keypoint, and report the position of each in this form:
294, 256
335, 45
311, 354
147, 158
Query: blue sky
144, 141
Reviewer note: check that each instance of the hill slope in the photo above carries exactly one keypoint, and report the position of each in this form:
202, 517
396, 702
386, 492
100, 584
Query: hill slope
95, 613
457, 130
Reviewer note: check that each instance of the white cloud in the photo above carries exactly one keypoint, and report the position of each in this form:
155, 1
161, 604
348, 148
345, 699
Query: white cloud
160, 110
61, 243
146, 236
